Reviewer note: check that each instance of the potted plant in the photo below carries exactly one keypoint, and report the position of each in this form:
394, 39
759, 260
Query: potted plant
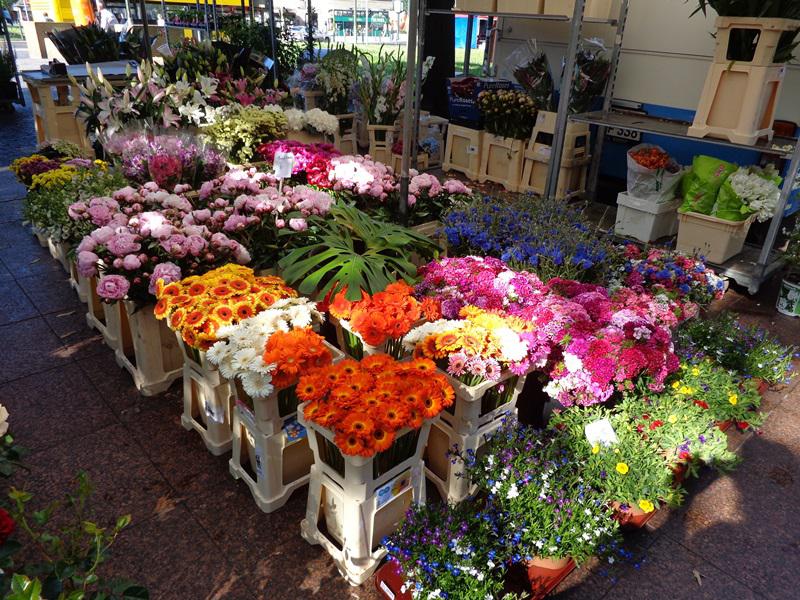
8, 87
789, 297
630, 472
750, 351
728, 399
559, 518
447, 551
508, 117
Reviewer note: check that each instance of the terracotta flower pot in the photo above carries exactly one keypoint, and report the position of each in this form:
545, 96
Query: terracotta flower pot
633, 517
389, 580
679, 474
545, 573
763, 386
723, 426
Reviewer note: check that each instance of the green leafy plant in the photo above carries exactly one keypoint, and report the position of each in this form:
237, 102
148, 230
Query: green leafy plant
192, 60
743, 41
10, 452
379, 84
683, 431
67, 549
725, 396
748, 350
349, 249
7, 69
336, 76
507, 113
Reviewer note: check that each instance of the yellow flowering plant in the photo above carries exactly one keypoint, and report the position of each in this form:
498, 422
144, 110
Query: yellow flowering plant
724, 396
634, 472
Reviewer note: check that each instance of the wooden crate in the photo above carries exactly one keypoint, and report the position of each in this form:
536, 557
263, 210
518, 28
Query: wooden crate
306, 137
431, 126
381, 139
501, 161
521, 7
463, 151
594, 9
476, 5
769, 34
345, 139
53, 107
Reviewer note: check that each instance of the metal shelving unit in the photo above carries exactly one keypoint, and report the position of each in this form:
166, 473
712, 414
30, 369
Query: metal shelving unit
418, 12
754, 265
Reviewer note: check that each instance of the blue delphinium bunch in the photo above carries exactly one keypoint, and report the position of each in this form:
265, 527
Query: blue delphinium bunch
549, 237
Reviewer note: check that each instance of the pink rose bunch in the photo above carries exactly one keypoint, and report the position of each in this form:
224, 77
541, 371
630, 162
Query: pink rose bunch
432, 195
305, 155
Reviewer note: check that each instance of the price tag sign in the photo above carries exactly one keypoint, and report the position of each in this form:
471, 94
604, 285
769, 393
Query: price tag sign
601, 432
215, 413
283, 164
268, 62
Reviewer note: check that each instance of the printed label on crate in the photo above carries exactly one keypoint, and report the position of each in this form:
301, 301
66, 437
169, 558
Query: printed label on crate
385, 589
394, 488
246, 413
293, 430
546, 151
601, 432
214, 413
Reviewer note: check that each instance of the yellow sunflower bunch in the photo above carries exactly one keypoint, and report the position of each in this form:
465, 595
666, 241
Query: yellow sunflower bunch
199, 305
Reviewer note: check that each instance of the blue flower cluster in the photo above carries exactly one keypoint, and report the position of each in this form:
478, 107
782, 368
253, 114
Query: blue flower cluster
548, 237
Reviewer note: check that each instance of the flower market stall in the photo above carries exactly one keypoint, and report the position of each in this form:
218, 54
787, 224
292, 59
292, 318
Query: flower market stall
473, 393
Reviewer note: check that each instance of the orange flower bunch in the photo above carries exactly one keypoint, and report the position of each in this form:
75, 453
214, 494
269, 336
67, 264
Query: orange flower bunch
387, 314
295, 353
366, 403
198, 306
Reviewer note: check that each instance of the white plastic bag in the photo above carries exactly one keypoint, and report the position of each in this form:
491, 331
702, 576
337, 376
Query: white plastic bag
654, 185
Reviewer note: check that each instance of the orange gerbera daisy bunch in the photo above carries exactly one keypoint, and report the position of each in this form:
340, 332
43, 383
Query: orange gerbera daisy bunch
294, 353
366, 403
385, 316
198, 306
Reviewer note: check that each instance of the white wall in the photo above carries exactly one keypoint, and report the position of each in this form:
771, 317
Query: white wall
665, 53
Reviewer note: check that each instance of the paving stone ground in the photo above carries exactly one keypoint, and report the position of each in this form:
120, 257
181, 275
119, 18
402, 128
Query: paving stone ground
197, 533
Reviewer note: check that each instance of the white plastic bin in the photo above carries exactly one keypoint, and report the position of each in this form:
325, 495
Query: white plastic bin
715, 239
645, 220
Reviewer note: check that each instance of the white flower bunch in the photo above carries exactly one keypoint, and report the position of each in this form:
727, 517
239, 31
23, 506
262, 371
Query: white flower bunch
296, 118
321, 121
240, 347
760, 194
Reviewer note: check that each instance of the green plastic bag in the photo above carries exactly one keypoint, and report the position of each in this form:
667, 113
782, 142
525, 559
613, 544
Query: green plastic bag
701, 185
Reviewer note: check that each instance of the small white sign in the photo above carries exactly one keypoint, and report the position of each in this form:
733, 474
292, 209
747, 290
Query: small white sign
246, 414
601, 432
385, 589
259, 462
283, 164
545, 151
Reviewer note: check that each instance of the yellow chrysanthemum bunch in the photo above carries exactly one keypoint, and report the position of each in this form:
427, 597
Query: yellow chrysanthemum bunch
53, 179
199, 305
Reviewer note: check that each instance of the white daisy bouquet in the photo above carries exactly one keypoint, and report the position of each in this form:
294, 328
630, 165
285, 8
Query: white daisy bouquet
749, 191
315, 120
239, 353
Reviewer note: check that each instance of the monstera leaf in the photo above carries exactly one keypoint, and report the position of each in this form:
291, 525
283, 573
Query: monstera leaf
351, 250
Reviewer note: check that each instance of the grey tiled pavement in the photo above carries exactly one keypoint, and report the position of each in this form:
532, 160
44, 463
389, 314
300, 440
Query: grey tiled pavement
196, 532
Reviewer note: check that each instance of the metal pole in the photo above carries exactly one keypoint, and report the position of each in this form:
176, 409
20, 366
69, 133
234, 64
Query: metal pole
418, 81
408, 117
310, 31
214, 14
594, 170
148, 51
244, 11
273, 47
554, 166
777, 218
468, 45
164, 18
355, 21
205, 18
366, 20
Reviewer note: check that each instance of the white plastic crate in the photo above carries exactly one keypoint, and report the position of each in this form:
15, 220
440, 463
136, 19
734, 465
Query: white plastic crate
207, 401
645, 220
270, 416
278, 463
79, 284
353, 504
153, 357
475, 417
715, 239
